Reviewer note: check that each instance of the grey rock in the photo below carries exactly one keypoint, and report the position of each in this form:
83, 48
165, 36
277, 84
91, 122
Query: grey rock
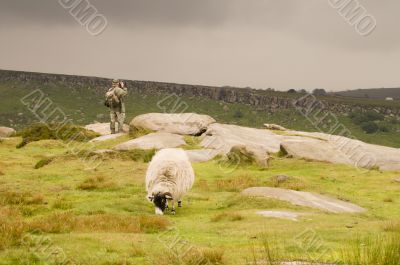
159, 140
306, 199
201, 155
184, 123
7, 132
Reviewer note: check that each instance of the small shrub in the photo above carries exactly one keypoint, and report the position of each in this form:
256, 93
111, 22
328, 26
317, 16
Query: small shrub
238, 114
43, 162
370, 127
64, 132
227, 216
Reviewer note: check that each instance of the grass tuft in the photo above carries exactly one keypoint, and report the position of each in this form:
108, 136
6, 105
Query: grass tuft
237, 183
377, 250
392, 226
66, 222
64, 132
227, 216
197, 256
97, 182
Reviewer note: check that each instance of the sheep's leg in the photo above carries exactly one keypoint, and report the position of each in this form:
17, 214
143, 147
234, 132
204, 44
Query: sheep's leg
173, 208
180, 204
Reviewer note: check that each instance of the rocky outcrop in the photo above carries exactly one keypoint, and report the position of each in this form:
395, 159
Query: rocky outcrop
223, 137
103, 128
305, 199
159, 140
7, 132
182, 123
244, 155
201, 155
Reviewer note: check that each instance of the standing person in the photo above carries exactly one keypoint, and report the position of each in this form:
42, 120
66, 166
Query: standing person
115, 101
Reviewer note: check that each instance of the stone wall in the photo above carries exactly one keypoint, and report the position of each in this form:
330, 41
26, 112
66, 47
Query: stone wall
259, 99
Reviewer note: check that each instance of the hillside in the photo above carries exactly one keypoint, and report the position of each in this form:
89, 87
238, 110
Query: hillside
81, 99
371, 93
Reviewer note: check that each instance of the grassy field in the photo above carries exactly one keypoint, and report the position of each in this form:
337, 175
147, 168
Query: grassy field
101, 216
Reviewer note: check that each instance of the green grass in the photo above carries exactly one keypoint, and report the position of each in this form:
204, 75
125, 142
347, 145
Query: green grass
101, 216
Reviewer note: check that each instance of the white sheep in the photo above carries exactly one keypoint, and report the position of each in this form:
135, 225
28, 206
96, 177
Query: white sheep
169, 176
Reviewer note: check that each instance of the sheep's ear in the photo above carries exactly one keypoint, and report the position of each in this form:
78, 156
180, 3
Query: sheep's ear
168, 196
151, 198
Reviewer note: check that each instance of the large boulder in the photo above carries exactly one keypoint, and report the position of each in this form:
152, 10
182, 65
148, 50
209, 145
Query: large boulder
246, 155
7, 132
306, 199
103, 128
223, 137
159, 140
313, 149
184, 124
201, 155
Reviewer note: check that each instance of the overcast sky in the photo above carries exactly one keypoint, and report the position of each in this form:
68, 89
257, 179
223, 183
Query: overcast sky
258, 43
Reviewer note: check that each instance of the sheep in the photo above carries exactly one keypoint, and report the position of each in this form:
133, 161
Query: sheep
169, 176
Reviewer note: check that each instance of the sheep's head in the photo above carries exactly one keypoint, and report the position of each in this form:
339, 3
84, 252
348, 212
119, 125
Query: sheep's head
160, 201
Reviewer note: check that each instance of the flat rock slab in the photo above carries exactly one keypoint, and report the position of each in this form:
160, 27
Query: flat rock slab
180, 123
306, 199
201, 155
159, 140
314, 149
282, 214
107, 137
7, 132
223, 137
103, 128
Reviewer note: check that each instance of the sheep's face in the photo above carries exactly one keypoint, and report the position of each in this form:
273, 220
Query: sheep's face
160, 201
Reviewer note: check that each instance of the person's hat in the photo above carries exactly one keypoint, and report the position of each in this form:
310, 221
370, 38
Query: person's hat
115, 81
